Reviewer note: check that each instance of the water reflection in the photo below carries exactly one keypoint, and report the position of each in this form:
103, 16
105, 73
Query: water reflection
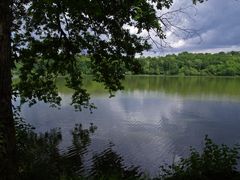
110, 165
154, 120
215, 87
74, 156
40, 157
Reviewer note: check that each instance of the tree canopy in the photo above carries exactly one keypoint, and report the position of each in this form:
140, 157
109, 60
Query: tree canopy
48, 35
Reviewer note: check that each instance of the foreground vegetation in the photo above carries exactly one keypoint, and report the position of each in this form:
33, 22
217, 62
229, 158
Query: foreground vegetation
183, 64
39, 157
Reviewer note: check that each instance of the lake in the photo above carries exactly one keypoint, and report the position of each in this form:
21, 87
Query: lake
153, 121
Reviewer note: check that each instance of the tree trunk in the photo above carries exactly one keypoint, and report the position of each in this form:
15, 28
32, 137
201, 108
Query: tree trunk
7, 133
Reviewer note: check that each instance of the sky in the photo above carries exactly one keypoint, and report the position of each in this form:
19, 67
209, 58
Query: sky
213, 26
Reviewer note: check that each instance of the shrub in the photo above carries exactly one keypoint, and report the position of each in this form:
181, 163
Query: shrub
216, 162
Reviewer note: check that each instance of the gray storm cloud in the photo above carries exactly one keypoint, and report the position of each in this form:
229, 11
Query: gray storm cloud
215, 25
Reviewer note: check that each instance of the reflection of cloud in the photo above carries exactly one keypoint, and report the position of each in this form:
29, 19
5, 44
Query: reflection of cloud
141, 107
66, 99
140, 124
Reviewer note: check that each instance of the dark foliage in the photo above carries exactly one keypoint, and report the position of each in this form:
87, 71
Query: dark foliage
214, 163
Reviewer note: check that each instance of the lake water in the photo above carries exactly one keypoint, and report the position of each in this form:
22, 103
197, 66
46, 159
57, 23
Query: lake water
154, 120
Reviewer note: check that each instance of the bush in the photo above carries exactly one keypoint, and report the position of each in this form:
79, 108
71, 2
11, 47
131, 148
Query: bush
214, 163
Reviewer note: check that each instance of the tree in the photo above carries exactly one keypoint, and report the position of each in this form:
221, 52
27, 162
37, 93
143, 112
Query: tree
7, 130
46, 36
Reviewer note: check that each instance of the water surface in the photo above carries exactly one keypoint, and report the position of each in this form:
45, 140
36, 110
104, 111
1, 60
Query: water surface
154, 120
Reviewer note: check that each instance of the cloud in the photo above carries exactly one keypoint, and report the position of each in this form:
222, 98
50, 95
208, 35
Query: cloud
180, 43
215, 25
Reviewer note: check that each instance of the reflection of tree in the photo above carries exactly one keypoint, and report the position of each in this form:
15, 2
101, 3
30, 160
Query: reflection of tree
183, 86
40, 157
109, 165
72, 160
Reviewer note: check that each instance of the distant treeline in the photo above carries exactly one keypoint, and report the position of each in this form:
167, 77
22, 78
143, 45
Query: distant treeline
190, 64
185, 64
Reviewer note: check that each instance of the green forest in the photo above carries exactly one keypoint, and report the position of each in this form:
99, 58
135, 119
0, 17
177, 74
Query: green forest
184, 64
